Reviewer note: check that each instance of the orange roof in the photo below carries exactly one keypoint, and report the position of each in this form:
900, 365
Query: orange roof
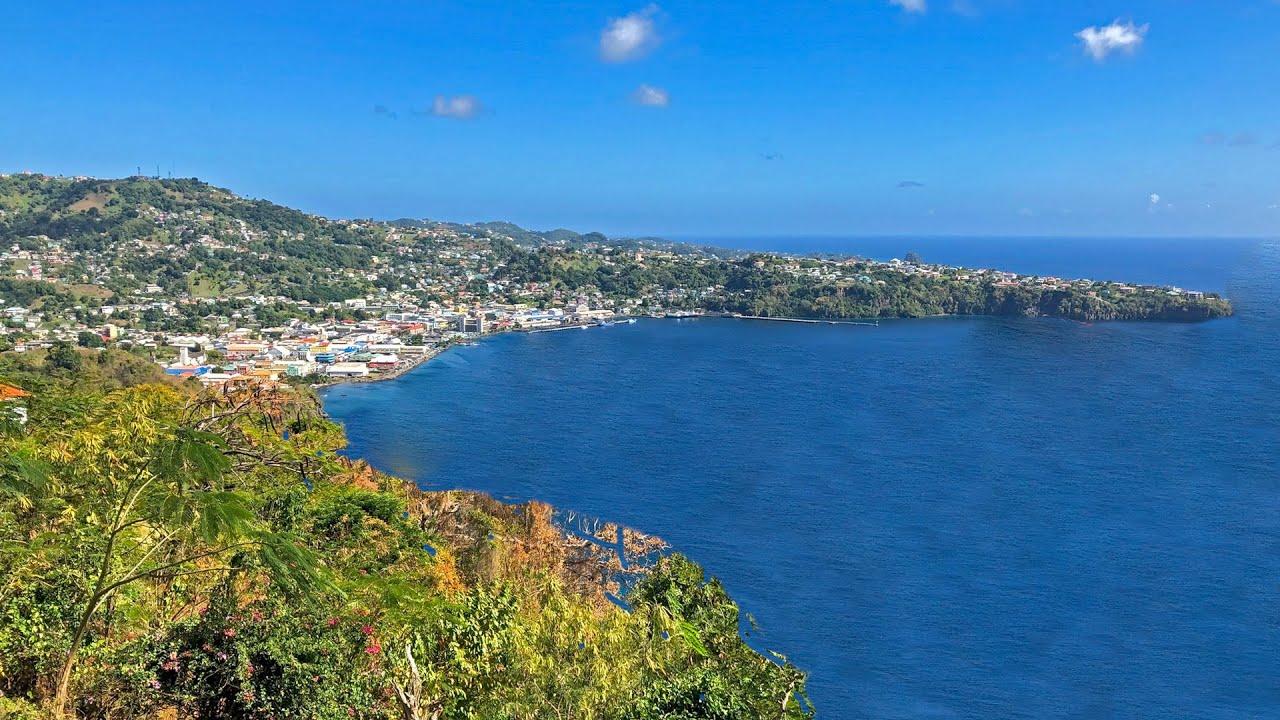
9, 392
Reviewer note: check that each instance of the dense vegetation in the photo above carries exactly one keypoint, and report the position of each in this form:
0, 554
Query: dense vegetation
209, 554
772, 286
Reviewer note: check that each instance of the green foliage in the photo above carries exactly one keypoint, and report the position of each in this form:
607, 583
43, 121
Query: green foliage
63, 359
271, 659
161, 552
726, 678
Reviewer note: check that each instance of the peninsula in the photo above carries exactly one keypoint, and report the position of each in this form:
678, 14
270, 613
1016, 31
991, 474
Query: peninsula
247, 286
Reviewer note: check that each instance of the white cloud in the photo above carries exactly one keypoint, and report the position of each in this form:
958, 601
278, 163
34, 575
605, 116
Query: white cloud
1155, 199
651, 96
630, 37
459, 107
912, 6
1099, 42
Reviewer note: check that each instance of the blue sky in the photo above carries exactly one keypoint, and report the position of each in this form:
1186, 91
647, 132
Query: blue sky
857, 117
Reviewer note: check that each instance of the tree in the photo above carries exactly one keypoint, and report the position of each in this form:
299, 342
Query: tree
154, 500
913, 258
63, 357
88, 339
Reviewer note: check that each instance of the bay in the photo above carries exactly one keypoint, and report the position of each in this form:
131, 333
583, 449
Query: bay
951, 518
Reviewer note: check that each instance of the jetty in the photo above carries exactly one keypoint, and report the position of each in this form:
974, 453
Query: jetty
808, 321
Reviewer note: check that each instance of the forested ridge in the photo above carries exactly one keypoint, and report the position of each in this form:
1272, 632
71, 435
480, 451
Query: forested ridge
105, 240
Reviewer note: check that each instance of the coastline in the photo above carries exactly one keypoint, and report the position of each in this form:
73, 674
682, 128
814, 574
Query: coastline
407, 366
432, 353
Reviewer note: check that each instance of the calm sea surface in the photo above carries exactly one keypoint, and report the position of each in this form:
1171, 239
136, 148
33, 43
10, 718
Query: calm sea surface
944, 518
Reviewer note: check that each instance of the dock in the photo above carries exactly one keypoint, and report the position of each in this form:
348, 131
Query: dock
808, 321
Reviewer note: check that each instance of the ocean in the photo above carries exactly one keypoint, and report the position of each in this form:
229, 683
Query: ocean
939, 518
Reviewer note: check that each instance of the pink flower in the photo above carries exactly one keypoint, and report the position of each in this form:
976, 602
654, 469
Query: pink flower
229, 632
333, 621
203, 610
315, 678
367, 629
257, 616
351, 711
373, 649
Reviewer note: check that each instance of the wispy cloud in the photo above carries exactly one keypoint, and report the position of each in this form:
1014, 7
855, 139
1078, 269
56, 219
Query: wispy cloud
458, 107
910, 184
1243, 139
651, 96
912, 6
386, 112
631, 36
1100, 42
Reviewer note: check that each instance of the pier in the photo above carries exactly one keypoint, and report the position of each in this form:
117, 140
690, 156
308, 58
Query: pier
874, 323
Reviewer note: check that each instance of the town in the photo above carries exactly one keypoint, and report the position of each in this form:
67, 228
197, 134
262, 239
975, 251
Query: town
219, 288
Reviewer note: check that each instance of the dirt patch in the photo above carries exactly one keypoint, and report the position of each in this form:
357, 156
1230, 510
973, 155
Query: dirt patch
91, 291
92, 200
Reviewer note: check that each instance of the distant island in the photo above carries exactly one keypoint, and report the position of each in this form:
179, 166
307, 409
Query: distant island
131, 259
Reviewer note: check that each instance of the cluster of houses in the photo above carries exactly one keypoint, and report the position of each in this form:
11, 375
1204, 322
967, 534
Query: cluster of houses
349, 350
312, 348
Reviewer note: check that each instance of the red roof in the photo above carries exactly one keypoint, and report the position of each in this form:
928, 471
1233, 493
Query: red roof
9, 392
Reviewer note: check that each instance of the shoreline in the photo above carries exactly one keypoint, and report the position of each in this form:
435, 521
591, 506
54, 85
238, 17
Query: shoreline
432, 353
407, 366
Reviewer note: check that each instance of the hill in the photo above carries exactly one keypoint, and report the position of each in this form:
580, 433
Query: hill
98, 242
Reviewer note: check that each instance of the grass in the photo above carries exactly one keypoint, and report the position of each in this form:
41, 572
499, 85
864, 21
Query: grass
92, 200
91, 291
202, 287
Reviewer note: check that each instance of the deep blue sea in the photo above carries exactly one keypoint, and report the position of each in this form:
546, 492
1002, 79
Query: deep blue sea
943, 518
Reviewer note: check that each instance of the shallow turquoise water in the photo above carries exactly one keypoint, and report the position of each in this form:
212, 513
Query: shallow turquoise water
953, 518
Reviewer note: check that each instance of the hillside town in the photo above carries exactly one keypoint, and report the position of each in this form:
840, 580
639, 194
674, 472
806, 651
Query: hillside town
217, 287
384, 334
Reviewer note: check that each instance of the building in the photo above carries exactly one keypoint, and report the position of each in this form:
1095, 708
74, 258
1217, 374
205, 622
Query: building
13, 406
347, 369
